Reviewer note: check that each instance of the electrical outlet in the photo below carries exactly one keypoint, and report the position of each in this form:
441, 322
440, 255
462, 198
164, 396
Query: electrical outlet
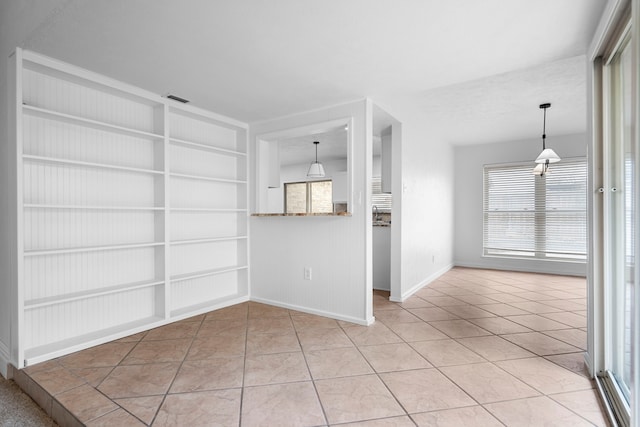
307, 273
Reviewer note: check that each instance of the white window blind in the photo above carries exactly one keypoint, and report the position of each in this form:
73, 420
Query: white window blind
308, 197
378, 198
536, 217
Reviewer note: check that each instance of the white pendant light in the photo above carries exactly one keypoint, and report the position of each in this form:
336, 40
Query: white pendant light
316, 170
541, 169
548, 155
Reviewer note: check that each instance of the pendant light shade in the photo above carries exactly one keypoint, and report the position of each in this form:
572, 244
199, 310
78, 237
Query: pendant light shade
316, 170
547, 156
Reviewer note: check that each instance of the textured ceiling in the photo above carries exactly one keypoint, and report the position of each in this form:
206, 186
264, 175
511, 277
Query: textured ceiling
255, 60
505, 107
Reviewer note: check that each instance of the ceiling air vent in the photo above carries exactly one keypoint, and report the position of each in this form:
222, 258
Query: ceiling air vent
176, 98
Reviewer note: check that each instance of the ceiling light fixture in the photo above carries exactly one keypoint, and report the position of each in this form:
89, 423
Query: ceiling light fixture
316, 170
548, 155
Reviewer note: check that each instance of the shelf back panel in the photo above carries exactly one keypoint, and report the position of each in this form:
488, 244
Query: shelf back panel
192, 292
63, 184
51, 324
63, 274
52, 138
69, 97
65, 228
205, 256
194, 129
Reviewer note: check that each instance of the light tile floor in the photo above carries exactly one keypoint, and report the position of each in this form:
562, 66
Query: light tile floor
474, 348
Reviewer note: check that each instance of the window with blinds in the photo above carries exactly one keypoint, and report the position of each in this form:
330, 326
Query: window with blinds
378, 198
536, 217
308, 197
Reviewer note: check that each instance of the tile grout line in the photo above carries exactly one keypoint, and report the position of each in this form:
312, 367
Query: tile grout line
164, 397
244, 362
54, 398
312, 379
571, 410
376, 373
442, 373
437, 368
498, 367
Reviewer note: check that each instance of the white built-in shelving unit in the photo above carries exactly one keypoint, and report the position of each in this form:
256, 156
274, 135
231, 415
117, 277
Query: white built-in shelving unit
131, 209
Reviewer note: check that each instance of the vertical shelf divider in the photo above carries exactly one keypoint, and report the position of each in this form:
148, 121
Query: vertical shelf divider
166, 203
16, 125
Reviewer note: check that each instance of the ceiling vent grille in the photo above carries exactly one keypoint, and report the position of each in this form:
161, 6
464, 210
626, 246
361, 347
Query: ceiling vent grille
176, 98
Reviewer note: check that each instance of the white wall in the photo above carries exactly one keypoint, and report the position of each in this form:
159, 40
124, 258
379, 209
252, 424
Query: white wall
469, 161
427, 204
334, 247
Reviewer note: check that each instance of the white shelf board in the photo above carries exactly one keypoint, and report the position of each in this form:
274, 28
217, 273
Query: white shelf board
59, 299
206, 178
95, 124
97, 208
41, 353
207, 306
80, 163
222, 210
200, 146
39, 252
207, 240
205, 273
200, 115
83, 77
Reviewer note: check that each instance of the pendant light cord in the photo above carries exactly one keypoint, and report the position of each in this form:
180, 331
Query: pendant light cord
545, 165
316, 143
544, 128
544, 124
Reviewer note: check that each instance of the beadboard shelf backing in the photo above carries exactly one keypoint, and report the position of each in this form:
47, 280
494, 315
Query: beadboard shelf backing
130, 211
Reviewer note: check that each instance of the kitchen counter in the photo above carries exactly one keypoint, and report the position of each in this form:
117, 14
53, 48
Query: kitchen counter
301, 214
381, 223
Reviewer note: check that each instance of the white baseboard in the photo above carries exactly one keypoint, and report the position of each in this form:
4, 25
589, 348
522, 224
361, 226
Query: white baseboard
422, 284
356, 320
550, 267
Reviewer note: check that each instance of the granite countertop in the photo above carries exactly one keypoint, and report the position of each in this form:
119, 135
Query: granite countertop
382, 223
301, 214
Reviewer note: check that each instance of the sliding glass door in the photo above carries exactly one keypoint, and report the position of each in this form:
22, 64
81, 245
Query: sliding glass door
619, 223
